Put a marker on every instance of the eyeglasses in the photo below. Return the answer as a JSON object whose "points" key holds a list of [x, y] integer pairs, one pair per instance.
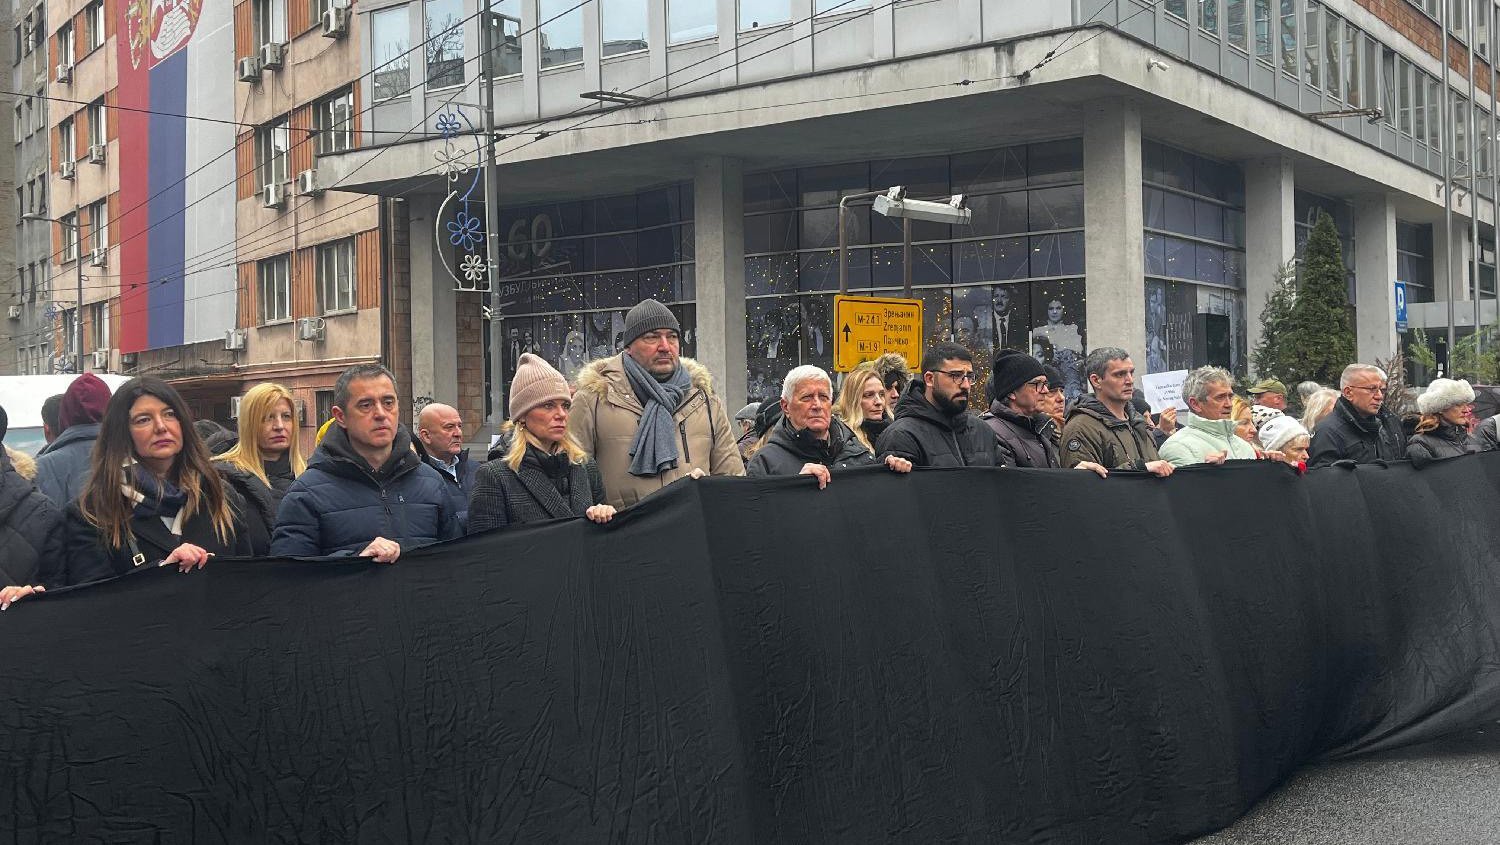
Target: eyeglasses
{"points": [[960, 376], [1040, 384], [1373, 390]]}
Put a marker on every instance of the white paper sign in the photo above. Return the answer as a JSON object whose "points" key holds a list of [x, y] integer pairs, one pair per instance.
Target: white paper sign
{"points": [[1164, 390]]}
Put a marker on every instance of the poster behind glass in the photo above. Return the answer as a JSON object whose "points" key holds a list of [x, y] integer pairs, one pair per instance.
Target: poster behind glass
{"points": [[1058, 330], [772, 335]]}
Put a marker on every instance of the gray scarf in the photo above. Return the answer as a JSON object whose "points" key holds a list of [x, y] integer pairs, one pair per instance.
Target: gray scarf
{"points": [[654, 449]]}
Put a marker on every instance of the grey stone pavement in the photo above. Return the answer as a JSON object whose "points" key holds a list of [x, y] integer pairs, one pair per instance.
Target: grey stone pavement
{"points": [[1445, 791]]}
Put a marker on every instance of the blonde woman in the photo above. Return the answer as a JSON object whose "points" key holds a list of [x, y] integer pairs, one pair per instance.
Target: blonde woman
{"points": [[1244, 422], [544, 474], [1318, 406], [862, 404], [267, 458]]}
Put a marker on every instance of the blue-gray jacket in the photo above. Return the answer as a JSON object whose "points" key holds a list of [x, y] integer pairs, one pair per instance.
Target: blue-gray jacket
{"points": [[339, 504], [460, 487], [62, 469]]}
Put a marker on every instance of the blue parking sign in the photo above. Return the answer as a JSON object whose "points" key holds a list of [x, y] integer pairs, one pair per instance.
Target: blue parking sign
{"points": [[1401, 306]]}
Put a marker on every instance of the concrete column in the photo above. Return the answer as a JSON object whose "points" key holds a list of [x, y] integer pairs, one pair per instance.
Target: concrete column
{"points": [[1270, 234], [1115, 259], [434, 342], [884, 25], [531, 58], [719, 242], [802, 43], [1375, 274], [727, 13]]}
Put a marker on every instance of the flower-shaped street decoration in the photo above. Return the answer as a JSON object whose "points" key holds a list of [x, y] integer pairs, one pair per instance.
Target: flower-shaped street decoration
{"points": [[451, 161], [473, 269], [463, 231], [448, 125]]}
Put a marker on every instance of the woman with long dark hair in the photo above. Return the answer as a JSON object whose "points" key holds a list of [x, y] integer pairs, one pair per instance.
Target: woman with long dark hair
{"points": [[152, 496]]}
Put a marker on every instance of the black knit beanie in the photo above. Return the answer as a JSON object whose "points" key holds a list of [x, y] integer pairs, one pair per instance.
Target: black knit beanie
{"points": [[1011, 370]]}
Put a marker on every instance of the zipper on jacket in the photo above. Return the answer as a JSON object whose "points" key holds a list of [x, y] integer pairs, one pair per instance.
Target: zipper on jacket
{"points": [[687, 456]]}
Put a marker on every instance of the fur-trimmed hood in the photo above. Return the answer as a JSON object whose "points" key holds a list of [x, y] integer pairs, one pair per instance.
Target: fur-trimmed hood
{"points": [[600, 375]]}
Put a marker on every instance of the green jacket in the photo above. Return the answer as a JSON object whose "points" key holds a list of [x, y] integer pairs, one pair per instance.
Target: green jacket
{"points": [[1094, 433], [1196, 438]]}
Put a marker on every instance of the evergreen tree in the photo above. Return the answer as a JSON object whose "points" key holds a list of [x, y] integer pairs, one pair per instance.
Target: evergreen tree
{"points": [[1314, 339], [1275, 318]]}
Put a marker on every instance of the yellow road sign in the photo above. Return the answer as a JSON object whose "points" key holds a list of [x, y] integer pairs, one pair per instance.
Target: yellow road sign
{"points": [[866, 327]]}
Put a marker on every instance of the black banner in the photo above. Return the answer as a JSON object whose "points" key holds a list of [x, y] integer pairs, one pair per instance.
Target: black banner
{"points": [[975, 655]]}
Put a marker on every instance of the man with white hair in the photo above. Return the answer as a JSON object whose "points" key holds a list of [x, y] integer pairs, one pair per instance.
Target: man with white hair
{"points": [[1206, 435], [809, 439], [1360, 428]]}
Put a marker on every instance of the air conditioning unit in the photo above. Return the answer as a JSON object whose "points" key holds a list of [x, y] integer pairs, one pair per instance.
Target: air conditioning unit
{"points": [[234, 405], [249, 69], [127, 359], [15, 312], [335, 23], [96, 153], [310, 328], [273, 196], [272, 55], [307, 183], [66, 169], [99, 256], [65, 72], [101, 359], [234, 340]]}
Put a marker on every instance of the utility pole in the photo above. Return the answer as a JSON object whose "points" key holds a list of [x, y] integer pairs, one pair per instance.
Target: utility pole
{"points": [[1473, 154], [1445, 119], [487, 65]]}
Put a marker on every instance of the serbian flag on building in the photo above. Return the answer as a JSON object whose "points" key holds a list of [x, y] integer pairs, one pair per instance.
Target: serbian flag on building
{"points": [[176, 207]]}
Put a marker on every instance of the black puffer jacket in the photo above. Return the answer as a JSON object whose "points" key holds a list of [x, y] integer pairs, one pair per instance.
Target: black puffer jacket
{"points": [[929, 438], [788, 450], [546, 487], [28, 521], [1022, 441], [1446, 441], [1347, 435], [339, 504], [1487, 435], [84, 557], [260, 504]]}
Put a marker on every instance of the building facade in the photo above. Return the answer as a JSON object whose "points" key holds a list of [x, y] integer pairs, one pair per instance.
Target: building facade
{"points": [[1139, 173], [26, 340]]}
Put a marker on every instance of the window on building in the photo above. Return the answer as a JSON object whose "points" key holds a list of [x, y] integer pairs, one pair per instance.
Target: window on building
{"points": [[323, 405], [505, 40], [823, 7], [623, 26], [98, 315], [1461, 114], [65, 54], [1419, 109], [1194, 215], [97, 125], [18, 46], [316, 10], [93, 25], [1312, 54], [39, 110], [336, 277], [755, 14], [1234, 11], [1351, 57], [69, 225], [1289, 37], [67, 149], [689, 20], [1333, 62], [97, 221], [445, 42], [1484, 14], [41, 196], [274, 277], [1403, 95], [333, 119], [22, 122], [1208, 16], [390, 39], [1458, 18], [561, 32], [270, 21], [271, 144], [1434, 129], [1263, 30]]}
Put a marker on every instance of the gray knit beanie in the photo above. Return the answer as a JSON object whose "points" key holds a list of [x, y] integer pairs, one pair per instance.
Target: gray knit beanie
{"points": [[649, 316]]}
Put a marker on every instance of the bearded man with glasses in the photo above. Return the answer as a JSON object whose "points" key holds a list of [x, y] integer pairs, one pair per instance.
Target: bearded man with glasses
{"points": [[1360, 429], [933, 427]]}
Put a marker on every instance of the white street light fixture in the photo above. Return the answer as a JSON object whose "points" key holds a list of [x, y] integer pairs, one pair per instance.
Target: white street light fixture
{"points": [[894, 203]]}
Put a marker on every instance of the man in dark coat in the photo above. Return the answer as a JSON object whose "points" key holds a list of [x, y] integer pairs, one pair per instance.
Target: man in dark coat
{"points": [[1023, 431], [27, 520], [809, 440], [1104, 428], [365, 492], [440, 435], [1360, 428], [933, 427], [62, 469]]}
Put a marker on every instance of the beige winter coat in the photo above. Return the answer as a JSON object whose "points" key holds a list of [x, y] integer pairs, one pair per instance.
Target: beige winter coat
{"points": [[606, 414]]}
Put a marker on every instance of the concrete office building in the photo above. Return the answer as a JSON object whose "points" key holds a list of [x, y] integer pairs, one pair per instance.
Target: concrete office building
{"points": [[1139, 187], [26, 337]]}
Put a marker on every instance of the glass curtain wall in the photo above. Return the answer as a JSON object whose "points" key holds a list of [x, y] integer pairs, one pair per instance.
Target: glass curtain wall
{"points": [[1011, 278], [1194, 239], [570, 271]]}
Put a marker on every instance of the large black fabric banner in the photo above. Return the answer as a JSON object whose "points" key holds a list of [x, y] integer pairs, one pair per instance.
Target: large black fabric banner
{"points": [[964, 655]]}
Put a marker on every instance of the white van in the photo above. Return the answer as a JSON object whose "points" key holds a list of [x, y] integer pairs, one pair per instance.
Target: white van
{"points": [[22, 398]]}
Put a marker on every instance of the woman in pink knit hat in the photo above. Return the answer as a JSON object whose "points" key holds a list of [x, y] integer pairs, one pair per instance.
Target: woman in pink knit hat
{"points": [[544, 474]]}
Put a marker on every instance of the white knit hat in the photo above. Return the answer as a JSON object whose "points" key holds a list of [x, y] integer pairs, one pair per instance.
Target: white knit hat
{"points": [[1279, 431], [1443, 394]]}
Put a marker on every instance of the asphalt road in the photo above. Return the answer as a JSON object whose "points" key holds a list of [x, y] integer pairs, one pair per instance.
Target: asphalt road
{"points": [[1446, 791]]}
